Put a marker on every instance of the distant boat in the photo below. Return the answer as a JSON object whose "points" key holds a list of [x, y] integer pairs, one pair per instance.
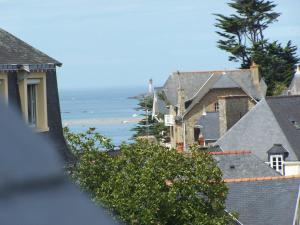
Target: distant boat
{"points": [[135, 115], [125, 121]]}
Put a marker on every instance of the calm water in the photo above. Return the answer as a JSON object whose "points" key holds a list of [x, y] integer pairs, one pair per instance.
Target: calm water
{"points": [[109, 108]]}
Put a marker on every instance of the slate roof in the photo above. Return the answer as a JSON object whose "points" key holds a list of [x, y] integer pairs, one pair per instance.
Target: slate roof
{"points": [[243, 165], [277, 149], [33, 187], [191, 82], [15, 51], [209, 125], [265, 202], [268, 123]]}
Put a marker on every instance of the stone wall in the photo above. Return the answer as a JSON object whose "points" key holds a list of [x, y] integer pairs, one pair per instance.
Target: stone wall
{"points": [[207, 103], [232, 109]]}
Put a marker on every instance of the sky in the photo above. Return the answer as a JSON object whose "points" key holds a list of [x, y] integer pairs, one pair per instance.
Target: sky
{"points": [[123, 43]]}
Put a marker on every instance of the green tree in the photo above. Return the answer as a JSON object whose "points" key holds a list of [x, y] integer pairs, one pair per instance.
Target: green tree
{"points": [[149, 126], [149, 184], [242, 35]]}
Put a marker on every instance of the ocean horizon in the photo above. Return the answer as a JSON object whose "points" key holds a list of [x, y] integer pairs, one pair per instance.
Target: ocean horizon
{"points": [[110, 110]]}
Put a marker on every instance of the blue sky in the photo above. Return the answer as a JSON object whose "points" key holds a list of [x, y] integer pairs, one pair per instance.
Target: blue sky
{"points": [[114, 43]]}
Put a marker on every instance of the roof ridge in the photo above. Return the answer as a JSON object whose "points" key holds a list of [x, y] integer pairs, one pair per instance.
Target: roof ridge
{"points": [[231, 152], [282, 96], [252, 179], [210, 71]]}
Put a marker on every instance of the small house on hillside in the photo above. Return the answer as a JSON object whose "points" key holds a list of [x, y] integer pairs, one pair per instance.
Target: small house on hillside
{"points": [[271, 131], [28, 82], [190, 95]]}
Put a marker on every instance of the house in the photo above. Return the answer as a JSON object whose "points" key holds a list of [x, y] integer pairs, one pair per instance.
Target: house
{"points": [[294, 88], [190, 95], [264, 200], [271, 131], [33, 186], [28, 82]]}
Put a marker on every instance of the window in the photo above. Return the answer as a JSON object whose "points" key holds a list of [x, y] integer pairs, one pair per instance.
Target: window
{"points": [[277, 163], [31, 100], [217, 107], [33, 96], [3, 87]]}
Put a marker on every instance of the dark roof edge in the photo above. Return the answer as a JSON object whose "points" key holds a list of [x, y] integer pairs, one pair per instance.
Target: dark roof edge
{"points": [[54, 61]]}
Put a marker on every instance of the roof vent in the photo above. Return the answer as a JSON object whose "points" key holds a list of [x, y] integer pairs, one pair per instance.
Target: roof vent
{"points": [[295, 123]]}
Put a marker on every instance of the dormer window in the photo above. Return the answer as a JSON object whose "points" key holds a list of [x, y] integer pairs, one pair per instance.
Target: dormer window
{"points": [[277, 155], [277, 163]]}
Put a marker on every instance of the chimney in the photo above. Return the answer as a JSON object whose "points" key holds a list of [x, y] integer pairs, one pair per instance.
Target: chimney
{"points": [[231, 110], [181, 100], [255, 76]]}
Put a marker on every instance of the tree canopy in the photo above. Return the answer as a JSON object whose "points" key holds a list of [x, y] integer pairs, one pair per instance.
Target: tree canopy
{"points": [[242, 36], [144, 183]]}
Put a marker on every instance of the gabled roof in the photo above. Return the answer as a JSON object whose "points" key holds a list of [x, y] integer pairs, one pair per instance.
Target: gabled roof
{"points": [[192, 82], [277, 149], [14, 51], [268, 123], [264, 201], [243, 165], [209, 125], [286, 110], [33, 187]]}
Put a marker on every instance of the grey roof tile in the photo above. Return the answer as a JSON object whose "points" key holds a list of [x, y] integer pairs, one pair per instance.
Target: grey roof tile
{"points": [[269, 202], [286, 110], [243, 166], [257, 131], [15, 51], [191, 82]]}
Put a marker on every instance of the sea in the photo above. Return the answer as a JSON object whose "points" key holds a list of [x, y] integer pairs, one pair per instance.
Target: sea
{"points": [[112, 111]]}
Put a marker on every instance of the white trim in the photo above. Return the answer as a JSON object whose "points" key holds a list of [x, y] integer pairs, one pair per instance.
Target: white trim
{"points": [[277, 159], [297, 206], [33, 81], [195, 95]]}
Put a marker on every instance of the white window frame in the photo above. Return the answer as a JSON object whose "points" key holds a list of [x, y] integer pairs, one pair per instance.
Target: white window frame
{"points": [[276, 162], [39, 81]]}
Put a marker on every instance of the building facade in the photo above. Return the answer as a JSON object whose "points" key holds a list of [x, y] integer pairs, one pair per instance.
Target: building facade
{"points": [[28, 83], [189, 96]]}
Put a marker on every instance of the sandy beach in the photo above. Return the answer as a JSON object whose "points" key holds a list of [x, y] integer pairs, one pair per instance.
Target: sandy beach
{"points": [[100, 121]]}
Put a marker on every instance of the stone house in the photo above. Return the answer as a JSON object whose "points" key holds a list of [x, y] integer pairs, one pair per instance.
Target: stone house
{"points": [[192, 95], [28, 83], [271, 130]]}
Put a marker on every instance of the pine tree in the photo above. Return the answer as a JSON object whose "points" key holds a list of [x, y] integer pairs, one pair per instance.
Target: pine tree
{"points": [[242, 35], [149, 126]]}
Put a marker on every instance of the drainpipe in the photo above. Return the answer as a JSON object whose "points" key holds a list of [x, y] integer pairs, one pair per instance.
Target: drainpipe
{"points": [[184, 142]]}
